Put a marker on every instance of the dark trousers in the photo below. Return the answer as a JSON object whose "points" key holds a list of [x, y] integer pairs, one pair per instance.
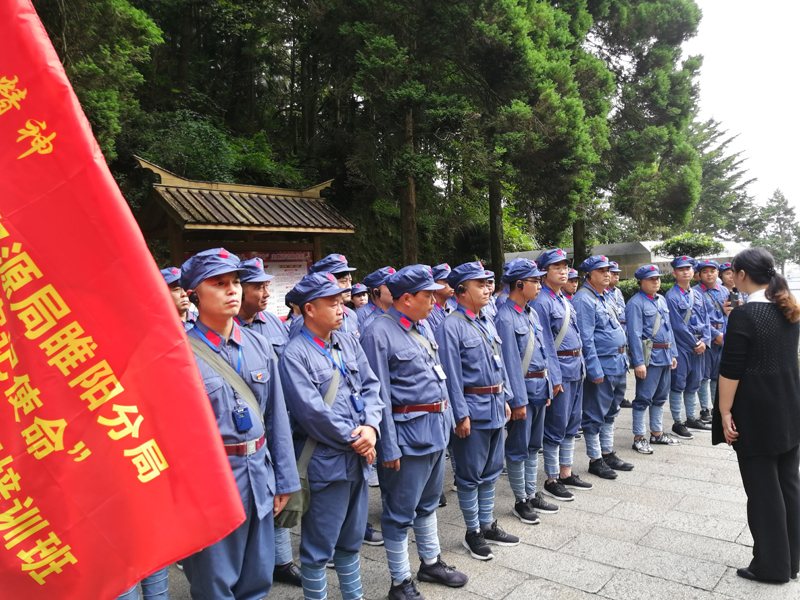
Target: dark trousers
{"points": [[772, 484]]}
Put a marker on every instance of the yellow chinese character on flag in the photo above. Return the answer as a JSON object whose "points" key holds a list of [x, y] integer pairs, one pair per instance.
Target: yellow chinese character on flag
{"points": [[69, 348], [9, 480], [47, 556], [40, 311], [40, 143], [148, 460], [23, 525], [18, 271], [44, 437], [101, 385], [7, 354], [22, 396], [129, 428], [9, 95]]}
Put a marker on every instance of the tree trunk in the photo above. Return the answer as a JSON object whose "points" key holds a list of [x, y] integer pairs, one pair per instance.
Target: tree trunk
{"points": [[408, 202], [496, 224], [579, 250]]}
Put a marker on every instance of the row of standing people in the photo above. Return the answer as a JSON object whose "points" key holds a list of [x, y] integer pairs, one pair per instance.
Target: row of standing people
{"points": [[411, 380]]}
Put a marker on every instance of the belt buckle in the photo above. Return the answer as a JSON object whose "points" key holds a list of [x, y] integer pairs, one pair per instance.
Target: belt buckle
{"points": [[250, 447], [546, 373], [442, 406], [500, 387]]}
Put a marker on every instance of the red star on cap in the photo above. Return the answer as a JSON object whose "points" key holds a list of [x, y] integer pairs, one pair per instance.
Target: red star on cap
{"points": [[391, 271], [559, 253], [175, 271], [331, 278], [223, 253], [342, 258], [685, 258], [258, 262], [446, 266], [652, 268], [480, 264], [603, 258]]}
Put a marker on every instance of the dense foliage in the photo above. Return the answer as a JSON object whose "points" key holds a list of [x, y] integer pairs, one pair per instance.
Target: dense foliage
{"points": [[453, 130]]}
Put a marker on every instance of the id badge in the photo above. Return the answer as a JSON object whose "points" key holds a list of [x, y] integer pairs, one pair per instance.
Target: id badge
{"points": [[358, 403], [498, 362], [241, 418], [693, 320], [440, 372]]}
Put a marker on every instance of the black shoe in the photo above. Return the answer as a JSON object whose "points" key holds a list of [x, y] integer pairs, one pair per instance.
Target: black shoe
{"points": [[288, 573], [697, 425], [372, 537], [477, 546], [442, 501], [600, 468], [541, 505], [705, 416], [615, 462], [626, 404], [746, 573], [578, 436], [441, 572], [495, 535], [554, 489], [679, 429], [525, 513], [407, 590], [573, 482]]}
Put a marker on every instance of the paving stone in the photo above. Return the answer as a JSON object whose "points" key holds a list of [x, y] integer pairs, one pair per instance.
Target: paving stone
{"points": [[487, 579], [650, 561], [542, 588], [601, 525], [626, 585], [746, 538], [734, 586], [646, 497], [712, 508], [572, 571], [717, 551], [703, 489]]}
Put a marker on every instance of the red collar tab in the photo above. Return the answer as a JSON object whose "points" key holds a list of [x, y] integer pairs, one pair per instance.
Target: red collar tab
{"points": [[237, 334], [405, 322], [470, 314], [517, 307], [213, 338], [319, 342]]}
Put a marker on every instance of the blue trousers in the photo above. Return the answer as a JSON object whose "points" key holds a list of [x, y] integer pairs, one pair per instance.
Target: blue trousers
{"points": [[154, 587], [711, 358], [336, 520], [601, 402], [686, 377], [651, 391], [239, 566], [525, 437], [479, 457], [411, 492], [563, 416]]}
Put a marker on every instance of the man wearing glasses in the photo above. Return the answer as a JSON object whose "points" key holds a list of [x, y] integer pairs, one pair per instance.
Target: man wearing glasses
{"points": [[528, 364]]}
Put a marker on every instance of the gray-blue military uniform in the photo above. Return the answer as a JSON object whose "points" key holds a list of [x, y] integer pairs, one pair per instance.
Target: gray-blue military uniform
{"points": [[172, 275], [439, 312], [334, 525], [349, 324], [563, 416], [688, 330], [714, 300], [477, 385], [604, 351], [643, 313], [240, 566], [522, 336], [269, 326], [416, 425]]}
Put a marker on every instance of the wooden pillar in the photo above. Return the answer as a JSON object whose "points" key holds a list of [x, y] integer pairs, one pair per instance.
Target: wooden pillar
{"points": [[176, 245], [317, 248]]}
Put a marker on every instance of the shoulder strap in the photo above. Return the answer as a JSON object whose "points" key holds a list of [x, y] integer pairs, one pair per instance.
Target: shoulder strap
{"points": [[227, 372], [657, 323], [562, 333], [423, 341], [526, 358], [715, 301], [688, 314], [311, 443]]}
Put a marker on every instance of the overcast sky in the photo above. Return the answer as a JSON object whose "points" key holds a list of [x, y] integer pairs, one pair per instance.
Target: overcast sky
{"points": [[750, 81]]}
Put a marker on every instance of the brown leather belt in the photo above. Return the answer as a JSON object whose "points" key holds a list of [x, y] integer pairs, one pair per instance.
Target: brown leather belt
{"points": [[246, 448], [569, 352], [715, 326], [536, 374], [486, 389], [436, 407], [660, 345], [621, 350]]}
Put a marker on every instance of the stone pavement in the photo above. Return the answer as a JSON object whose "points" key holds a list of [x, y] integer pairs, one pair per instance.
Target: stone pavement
{"points": [[674, 528]]}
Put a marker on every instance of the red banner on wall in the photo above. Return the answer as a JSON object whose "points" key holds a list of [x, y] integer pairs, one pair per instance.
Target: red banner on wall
{"points": [[111, 463]]}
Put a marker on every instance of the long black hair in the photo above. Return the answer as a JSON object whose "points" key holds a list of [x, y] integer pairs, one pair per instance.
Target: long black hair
{"points": [[760, 267]]}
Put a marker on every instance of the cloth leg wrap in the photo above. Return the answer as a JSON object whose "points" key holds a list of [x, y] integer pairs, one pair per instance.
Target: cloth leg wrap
{"points": [[607, 437], [531, 473], [426, 533], [348, 568], [704, 393], [283, 546], [566, 451], [397, 557], [656, 417], [486, 503], [638, 420], [592, 445], [468, 502], [690, 400], [551, 459], [516, 479], [675, 404], [315, 583]]}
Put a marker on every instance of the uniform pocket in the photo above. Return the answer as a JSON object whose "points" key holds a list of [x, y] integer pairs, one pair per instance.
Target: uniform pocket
{"points": [[480, 408], [259, 375], [413, 433], [327, 465]]}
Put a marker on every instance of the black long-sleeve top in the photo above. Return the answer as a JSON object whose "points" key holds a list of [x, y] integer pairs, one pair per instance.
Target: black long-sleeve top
{"points": [[761, 353]]}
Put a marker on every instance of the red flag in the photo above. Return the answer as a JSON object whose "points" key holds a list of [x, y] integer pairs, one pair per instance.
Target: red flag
{"points": [[111, 463]]}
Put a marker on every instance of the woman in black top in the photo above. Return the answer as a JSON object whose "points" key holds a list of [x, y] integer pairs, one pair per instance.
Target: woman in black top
{"points": [[758, 412]]}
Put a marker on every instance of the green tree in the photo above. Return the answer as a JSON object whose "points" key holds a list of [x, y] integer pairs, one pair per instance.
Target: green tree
{"points": [[695, 245], [725, 207], [781, 234], [103, 45]]}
